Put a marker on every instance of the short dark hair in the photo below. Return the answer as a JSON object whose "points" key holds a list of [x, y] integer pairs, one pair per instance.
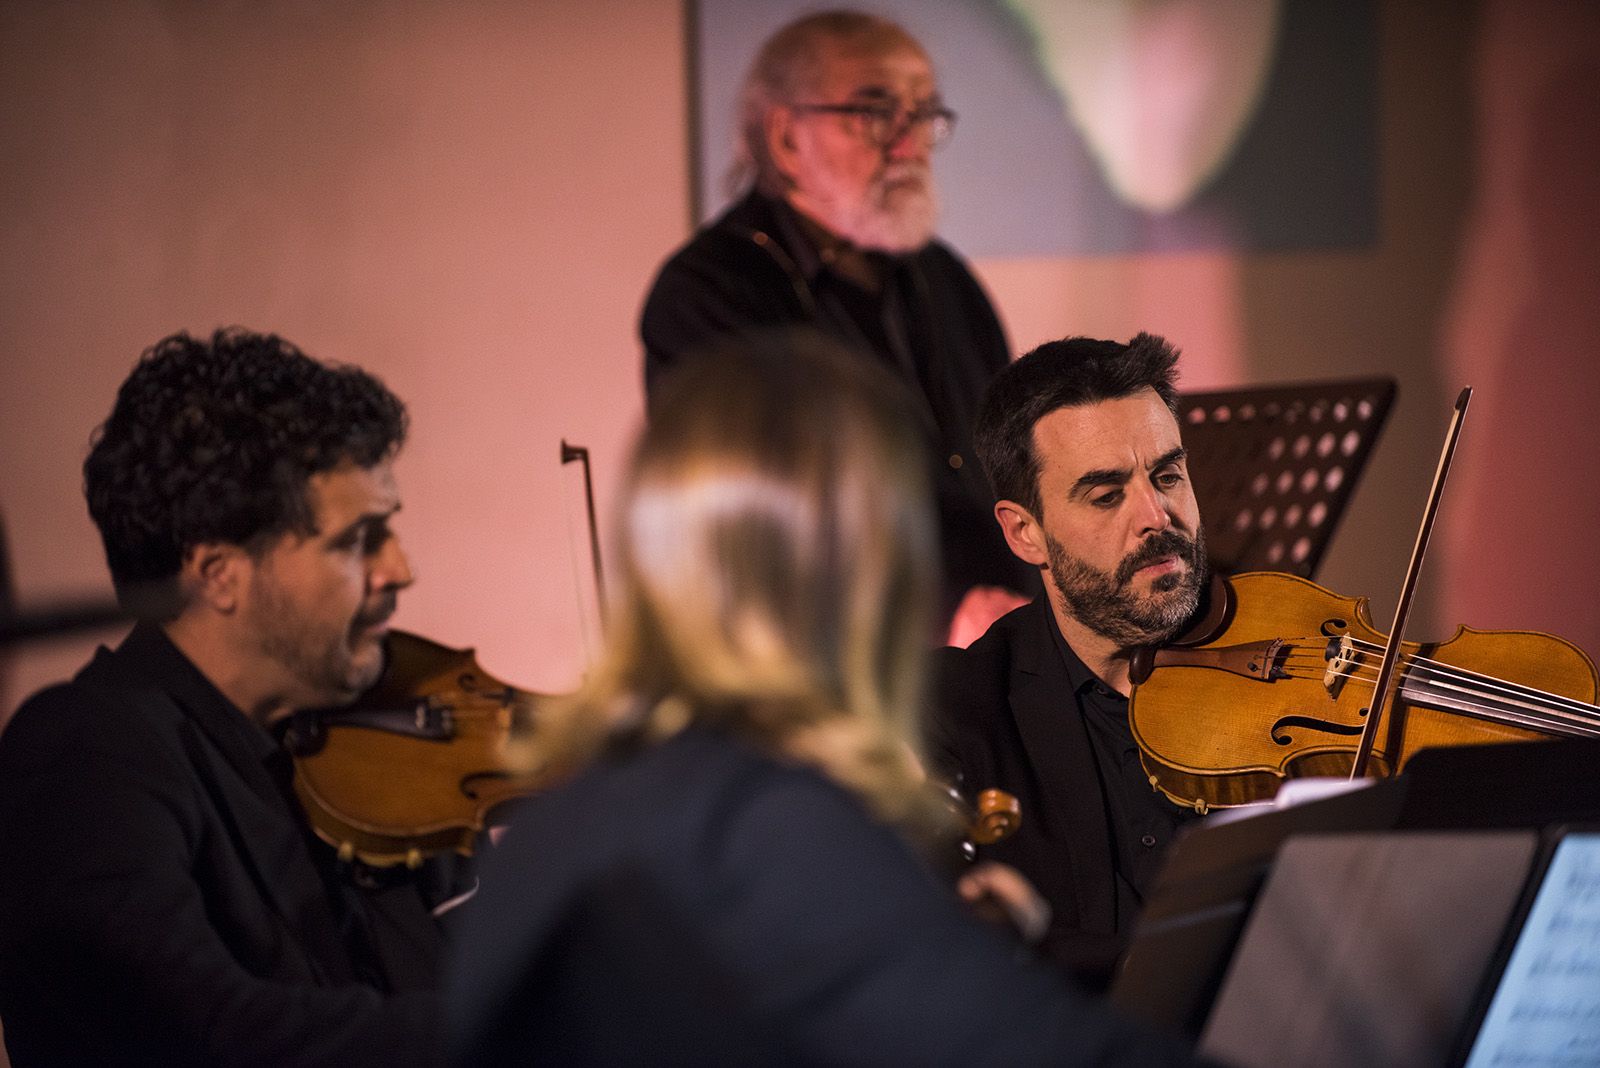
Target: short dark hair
{"points": [[1061, 374], [215, 442]]}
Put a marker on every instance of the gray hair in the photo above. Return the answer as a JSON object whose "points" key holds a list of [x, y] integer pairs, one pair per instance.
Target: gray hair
{"points": [[786, 70]]}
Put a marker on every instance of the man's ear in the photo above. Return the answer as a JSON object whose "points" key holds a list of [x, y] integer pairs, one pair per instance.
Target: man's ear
{"points": [[778, 129], [1023, 532], [215, 574]]}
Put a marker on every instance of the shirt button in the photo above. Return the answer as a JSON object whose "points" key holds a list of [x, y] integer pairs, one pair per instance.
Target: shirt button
{"points": [[1148, 840], [956, 461]]}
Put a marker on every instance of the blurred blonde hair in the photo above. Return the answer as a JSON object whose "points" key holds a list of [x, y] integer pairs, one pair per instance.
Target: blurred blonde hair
{"points": [[775, 555]]}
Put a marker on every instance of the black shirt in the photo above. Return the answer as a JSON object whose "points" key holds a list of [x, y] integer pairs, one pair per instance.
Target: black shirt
{"points": [[930, 325], [1142, 821]]}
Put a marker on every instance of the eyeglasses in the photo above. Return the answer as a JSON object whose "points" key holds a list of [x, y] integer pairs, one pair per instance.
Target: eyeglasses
{"points": [[885, 123]]}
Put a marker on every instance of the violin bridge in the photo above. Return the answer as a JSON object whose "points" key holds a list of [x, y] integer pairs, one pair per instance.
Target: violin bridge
{"points": [[1341, 657]]}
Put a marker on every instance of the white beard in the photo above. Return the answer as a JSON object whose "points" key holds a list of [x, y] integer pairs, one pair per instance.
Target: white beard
{"points": [[898, 213]]}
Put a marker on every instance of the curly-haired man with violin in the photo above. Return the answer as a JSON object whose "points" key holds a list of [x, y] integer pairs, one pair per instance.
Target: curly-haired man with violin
{"points": [[1079, 440], [162, 899]]}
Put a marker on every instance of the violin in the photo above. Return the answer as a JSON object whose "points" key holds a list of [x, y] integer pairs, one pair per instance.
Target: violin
{"points": [[419, 764], [1282, 677], [1282, 682]]}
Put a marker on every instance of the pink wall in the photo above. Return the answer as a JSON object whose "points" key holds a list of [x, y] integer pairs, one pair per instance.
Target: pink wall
{"points": [[1524, 324], [470, 200], [467, 199], [1486, 274]]}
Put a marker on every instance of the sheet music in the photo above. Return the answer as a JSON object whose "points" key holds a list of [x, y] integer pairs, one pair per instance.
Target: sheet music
{"points": [[1546, 1008]]}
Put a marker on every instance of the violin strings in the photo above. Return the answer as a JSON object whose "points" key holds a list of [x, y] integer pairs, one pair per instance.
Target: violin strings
{"points": [[1446, 674], [1545, 721], [1518, 705], [1442, 671], [1456, 696]]}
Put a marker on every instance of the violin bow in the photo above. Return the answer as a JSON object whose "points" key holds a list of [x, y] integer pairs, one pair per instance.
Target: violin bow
{"points": [[579, 453], [1382, 689]]}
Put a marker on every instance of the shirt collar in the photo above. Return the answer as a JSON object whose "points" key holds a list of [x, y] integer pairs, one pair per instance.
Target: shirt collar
{"points": [[1078, 673]]}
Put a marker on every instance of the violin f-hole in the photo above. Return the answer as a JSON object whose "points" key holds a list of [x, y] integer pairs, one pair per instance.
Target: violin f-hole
{"points": [[1312, 723]]}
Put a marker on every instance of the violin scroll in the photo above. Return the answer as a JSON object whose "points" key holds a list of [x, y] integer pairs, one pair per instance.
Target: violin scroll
{"points": [[996, 816]]}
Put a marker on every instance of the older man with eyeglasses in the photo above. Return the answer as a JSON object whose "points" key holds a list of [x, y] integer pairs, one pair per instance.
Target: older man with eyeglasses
{"points": [[839, 117]]}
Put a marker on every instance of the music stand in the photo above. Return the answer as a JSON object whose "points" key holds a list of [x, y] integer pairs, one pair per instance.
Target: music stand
{"points": [[1203, 896], [1206, 890], [1274, 466]]}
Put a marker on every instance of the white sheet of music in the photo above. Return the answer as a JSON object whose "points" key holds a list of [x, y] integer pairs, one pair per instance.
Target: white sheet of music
{"points": [[1546, 1008]]}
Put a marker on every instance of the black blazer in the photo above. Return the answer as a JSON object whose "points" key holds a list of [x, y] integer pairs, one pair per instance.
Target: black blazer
{"points": [[699, 903], [1005, 717], [159, 902]]}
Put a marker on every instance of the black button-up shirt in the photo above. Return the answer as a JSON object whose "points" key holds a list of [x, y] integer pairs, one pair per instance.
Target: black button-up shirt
{"points": [[1142, 821]]}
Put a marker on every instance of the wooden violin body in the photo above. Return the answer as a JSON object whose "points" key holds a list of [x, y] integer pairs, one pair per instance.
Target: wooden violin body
{"points": [[417, 765], [1286, 688]]}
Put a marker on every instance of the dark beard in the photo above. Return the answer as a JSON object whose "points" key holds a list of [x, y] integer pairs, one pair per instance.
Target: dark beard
{"points": [[1106, 605], [318, 660]]}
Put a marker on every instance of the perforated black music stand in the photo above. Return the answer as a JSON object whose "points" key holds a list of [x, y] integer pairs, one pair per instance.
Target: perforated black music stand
{"points": [[1274, 466]]}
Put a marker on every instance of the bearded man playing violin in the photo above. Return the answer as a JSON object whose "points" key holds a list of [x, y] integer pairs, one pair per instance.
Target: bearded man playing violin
{"points": [[1080, 443], [162, 898]]}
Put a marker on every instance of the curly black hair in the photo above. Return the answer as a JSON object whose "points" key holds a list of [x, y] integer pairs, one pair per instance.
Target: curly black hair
{"points": [[215, 442], [1061, 374]]}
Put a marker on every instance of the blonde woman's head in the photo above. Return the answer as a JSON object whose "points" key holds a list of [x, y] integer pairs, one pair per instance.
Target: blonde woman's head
{"points": [[775, 555]]}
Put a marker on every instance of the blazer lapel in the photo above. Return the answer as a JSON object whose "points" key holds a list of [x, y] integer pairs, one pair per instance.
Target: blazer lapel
{"points": [[269, 840], [1057, 745], [266, 836]]}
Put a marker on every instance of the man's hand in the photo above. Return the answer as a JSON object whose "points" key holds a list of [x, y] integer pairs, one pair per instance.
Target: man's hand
{"points": [[1000, 892]]}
